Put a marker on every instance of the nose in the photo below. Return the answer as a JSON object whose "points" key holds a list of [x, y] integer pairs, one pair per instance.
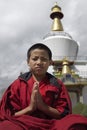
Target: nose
{"points": [[39, 61]]}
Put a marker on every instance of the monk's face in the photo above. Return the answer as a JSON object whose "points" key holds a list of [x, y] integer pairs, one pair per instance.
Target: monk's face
{"points": [[39, 61]]}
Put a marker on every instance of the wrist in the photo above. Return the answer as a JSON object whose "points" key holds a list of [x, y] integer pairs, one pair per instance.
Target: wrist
{"points": [[30, 109], [43, 107]]}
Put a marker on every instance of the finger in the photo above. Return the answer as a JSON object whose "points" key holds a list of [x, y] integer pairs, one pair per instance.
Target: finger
{"points": [[34, 95], [35, 86]]}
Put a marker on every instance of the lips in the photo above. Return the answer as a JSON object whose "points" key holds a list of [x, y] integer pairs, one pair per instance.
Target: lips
{"points": [[38, 68]]}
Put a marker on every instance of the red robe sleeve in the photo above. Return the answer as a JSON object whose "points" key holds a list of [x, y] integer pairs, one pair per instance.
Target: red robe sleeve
{"points": [[10, 101], [56, 96], [61, 98], [63, 103]]}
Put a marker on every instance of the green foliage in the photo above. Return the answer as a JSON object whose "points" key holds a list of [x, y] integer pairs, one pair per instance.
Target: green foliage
{"points": [[80, 108]]}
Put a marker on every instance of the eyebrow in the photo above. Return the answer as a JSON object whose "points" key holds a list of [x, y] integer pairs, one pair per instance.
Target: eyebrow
{"points": [[40, 57]]}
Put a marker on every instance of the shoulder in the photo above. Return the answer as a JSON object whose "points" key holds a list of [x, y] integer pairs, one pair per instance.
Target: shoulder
{"points": [[54, 81], [14, 85], [22, 79], [25, 76]]}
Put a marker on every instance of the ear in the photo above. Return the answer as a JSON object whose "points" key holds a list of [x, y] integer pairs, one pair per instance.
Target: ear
{"points": [[51, 62]]}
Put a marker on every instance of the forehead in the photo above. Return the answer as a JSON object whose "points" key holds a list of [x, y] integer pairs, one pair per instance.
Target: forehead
{"points": [[39, 52]]}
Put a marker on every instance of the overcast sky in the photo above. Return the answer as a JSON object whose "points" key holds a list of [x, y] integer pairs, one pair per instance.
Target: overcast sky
{"points": [[25, 22]]}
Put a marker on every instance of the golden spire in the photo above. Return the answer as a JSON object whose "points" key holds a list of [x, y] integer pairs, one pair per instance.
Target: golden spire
{"points": [[66, 68], [56, 15]]}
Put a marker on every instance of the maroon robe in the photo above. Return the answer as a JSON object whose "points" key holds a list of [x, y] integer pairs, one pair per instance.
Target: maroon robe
{"points": [[54, 94]]}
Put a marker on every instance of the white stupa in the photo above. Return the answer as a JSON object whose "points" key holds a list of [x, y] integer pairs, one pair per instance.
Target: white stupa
{"points": [[61, 43]]}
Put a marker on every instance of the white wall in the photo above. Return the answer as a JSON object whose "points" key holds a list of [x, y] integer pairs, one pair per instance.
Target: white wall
{"points": [[85, 95]]}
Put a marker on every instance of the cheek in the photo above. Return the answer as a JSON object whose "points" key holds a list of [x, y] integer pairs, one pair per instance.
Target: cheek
{"points": [[32, 64]]}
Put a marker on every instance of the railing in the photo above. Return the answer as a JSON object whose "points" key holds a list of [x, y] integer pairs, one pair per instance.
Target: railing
{"points": [[78, 58]]}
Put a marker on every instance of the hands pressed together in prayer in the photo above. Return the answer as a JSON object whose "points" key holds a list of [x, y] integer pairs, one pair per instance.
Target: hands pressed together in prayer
{"points": [[36, 99], [35, 103]]}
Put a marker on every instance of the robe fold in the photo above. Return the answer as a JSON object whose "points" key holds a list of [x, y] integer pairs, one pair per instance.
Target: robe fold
{"points": [[54, 94]]}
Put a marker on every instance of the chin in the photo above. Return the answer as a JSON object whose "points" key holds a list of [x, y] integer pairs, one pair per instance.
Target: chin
{"points": [[39, 73]]}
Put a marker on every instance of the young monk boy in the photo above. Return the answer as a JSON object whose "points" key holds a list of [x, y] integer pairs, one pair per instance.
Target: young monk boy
{"points": [[37, 100]]}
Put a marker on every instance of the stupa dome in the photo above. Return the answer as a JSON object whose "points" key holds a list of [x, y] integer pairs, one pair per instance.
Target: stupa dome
{"points": [[61, 43]]}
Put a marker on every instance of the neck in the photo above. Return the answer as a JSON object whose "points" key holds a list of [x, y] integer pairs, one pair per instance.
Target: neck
{"points": [[38, 78]]}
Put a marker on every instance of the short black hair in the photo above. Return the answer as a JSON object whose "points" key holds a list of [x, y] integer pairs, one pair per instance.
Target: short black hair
{"points": [[39, 46]]}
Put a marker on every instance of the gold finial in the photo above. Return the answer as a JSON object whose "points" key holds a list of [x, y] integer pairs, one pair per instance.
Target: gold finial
{"points": [[56, 15], [66, 68]]}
